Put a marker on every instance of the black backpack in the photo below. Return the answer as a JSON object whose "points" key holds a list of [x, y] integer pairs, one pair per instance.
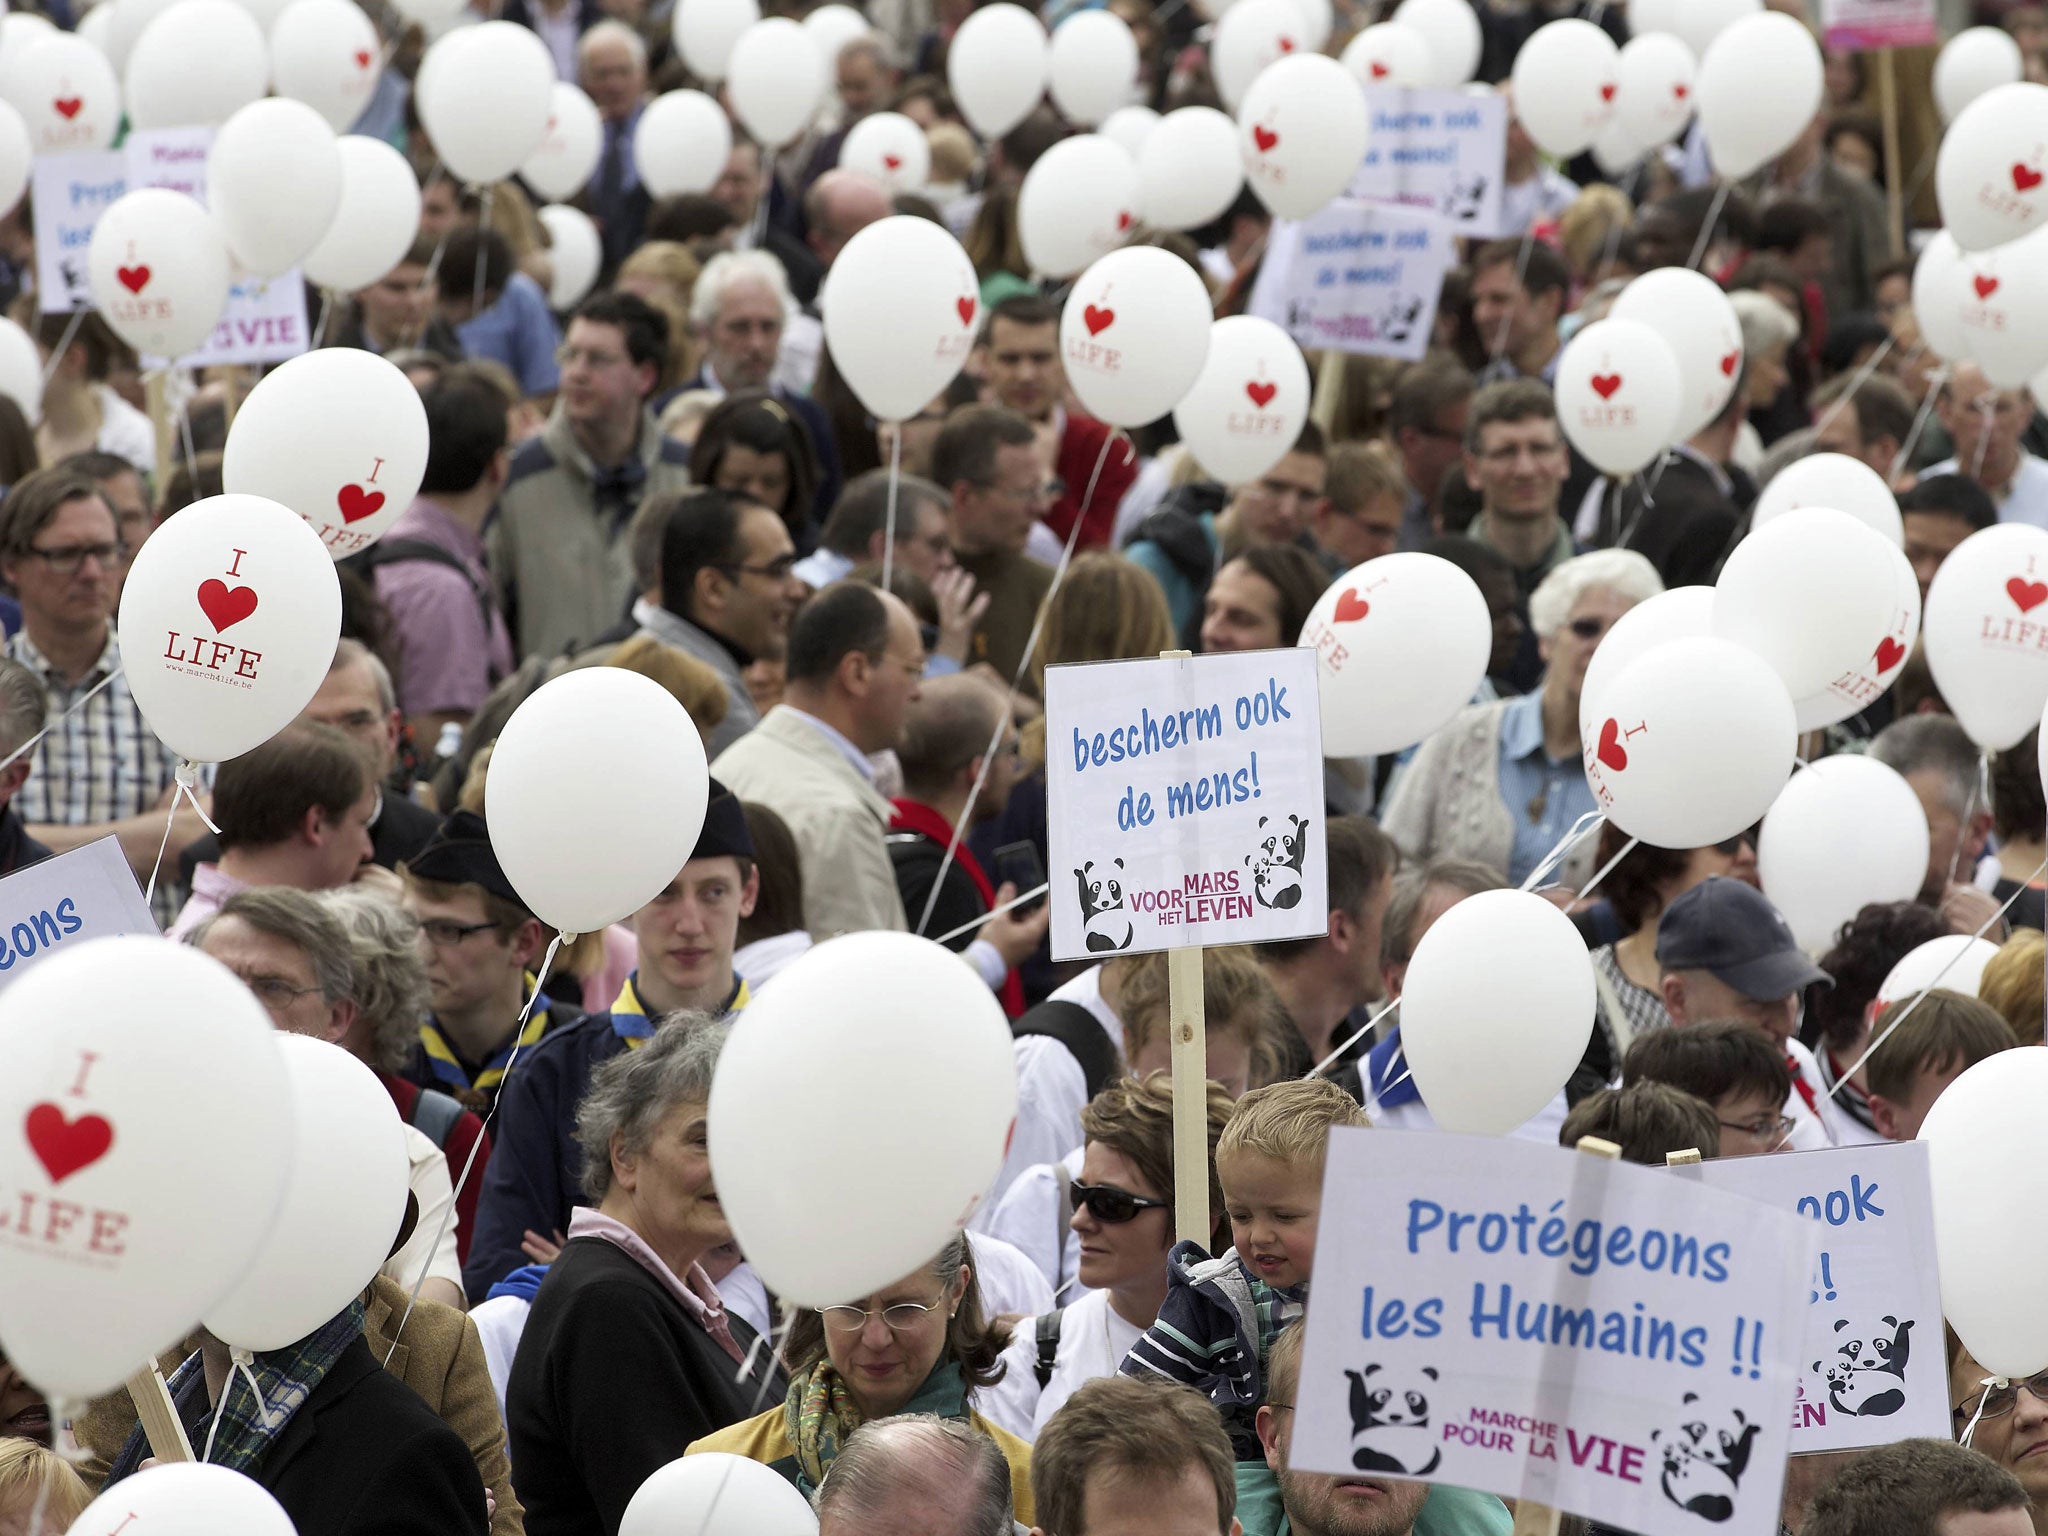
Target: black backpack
{"points": [[1080, 1032]]}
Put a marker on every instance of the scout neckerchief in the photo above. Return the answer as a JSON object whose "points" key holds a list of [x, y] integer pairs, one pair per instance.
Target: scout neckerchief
{"points": [[632, 1025], [453, 1074]]}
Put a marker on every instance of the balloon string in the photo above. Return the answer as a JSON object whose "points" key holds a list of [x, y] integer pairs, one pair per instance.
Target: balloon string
{"points": [[63, 345], [434, 261], [1628, 190], [1989, 1384], [76, 706], [1606, 869], [476, 292], [889, 521], [781, 1340], [469, 1163], [1500, 335], [184, 781], [1699, 249], [968, 927], [1979, 788], [1357, 1035], [1848, 395], [326, 309], [988, 756], [1556, 856], [1984, 409], [1935, 384], [185, 436]]}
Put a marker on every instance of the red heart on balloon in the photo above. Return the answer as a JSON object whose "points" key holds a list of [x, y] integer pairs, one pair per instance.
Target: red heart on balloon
{"points": [[2025, 178], [1379, 70], [1097, 320], [67, 106], [1607, 92], [134, 279], [1261, 393], [1287, 45], [1605, 384], [1985, 286], [64, 1146], [1889, 654], [1123, 220], [965, 305], [225, 606], [1610, 751], [357, 503], [363, 57], [1350, 606], [1265, 138], [1680, 91], [1730, 363], [2026, 595], [893, 162]]}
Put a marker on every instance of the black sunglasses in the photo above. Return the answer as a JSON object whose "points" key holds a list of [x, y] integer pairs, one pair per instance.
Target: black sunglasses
{"points": [[1109, 1204]]}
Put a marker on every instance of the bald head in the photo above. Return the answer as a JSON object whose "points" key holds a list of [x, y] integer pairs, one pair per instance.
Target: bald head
{"points": [[840, 204], [916, 1475]]}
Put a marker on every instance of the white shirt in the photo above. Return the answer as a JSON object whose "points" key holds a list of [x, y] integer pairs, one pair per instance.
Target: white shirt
{"points": [[2024, 498], [1543, 196], [1093, 1343], [1029, 1217], [1051, 1093], [125, 431], [435, 1192], [1010, 1283]]}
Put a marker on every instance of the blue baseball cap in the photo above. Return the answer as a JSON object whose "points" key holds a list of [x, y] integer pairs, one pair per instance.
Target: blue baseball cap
{"points": [[1730, 928]]}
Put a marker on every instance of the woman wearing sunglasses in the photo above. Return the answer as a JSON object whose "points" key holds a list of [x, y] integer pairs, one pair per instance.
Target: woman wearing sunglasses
{"points": [[2006, 1420], [1123, 1216], [1504, 781], [922, 1345]]}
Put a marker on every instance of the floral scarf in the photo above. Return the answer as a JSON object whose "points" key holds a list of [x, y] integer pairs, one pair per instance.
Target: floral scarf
{"points": [[820, 1413]]}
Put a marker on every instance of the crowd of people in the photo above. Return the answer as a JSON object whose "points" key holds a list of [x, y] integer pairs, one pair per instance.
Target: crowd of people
{"points": [[672, 478]]}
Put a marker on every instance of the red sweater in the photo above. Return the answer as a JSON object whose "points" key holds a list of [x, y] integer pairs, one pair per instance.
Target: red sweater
{"points": [[1080, 448]]}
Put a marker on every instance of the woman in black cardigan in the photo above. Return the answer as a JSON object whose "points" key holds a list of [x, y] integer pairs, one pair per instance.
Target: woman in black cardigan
{"points": [[628, 1354]]}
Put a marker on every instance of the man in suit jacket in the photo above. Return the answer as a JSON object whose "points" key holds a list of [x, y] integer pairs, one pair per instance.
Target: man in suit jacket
{"points": [[612, 67], [855, 659]]}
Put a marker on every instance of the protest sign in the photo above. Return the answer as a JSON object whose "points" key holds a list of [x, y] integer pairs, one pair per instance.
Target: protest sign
{"points": [[1611, 1340], [1441, 150], [1871, 1370], [88, 893], [1880, 23], [1185, 799], [1357, 277], [70, 193]]}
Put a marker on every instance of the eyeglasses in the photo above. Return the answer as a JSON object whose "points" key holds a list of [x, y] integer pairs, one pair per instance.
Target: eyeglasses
{"points": [[1105, 1202], [1728, 847], [275, 993], [1772, 1126], [899, 1316], [1588, 628], [777, 569], [65, 559], [443, 935], [1513, 452], [568, 357], [1997, 1400]]}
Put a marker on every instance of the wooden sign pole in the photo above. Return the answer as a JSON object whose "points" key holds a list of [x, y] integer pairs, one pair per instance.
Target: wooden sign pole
{"points": [[1186, 1019], [1894, 191], [159, 1415]]}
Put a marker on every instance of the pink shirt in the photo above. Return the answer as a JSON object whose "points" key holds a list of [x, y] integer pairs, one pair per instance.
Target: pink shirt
{"points": [[452, 656]]}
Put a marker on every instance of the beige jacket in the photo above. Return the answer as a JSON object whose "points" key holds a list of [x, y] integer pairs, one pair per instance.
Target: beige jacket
{"points": [[836, 816]]}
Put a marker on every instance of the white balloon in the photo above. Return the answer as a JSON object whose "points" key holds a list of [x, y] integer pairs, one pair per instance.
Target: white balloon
{"points": [[231, 611], [890, 149], [21, 370], [1811, 592], [1190, 169], [832, 27], [1691, 743], [1759, 87], [1988, 1157], [15, 154], [1986, 633], [706, 30], [483, 93], [140, 1074], [682, 143], [1566, 77], [1989, 173], [186, 1498], [715, 1493], [1496, 1009], [1451, 28], [1131, 127], [65, 91], [1391, 54], [1696, 23], [1856, 689], [96, 26], [1615, 149], [567, 157], [1302, 131], [1954, 962], [1657, 88], [775, 80], [1847, 831], [1619, 392], [1318, 18], [326, 53], [899, 307], [273, 183], [1833, 480], [1133, 335], [129, 18], [587, 843], [342, 1207], [1680, 613], [1401, 643], [195, 65], [815, 1063], [1092, 66], [2003, 314], [376, 221], [338, 436], [1251, 35], [1248, 403], [1939, 281], [158, 270], [1975, 60], [996, 66], [575, 254], [1076, 204], [1693, 315]]}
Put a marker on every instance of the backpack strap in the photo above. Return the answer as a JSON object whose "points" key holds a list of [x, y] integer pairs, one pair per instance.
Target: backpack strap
{"points": [[1080, 1032], [434, 1115], [400, 551], [1048, 1354]]}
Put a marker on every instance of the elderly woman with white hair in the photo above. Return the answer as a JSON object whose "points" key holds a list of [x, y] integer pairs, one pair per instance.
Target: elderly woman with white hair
{"points": [[1769, 330], [1504, 781]]}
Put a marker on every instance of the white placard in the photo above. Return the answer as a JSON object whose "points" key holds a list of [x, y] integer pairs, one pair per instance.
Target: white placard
{"points": [[1356, 277], [88, 893], [1880, 23], [1872, 1368], [1441, 150], [70, 193], [1607, 1339], [1185, 799]]}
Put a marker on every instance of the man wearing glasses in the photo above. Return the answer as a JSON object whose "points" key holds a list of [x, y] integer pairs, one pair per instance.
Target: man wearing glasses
{"points": [[100, 770], [1985, 424], [1515, 461], [1427, 416]]}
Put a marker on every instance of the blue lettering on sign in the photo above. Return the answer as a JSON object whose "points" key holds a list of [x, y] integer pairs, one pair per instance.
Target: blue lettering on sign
{"points": [[39, 931]]}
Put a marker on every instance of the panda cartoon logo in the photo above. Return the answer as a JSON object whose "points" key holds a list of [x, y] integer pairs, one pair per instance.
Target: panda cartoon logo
{"points": [[1276, 865], [1390, 1422], [1399, 319], [1703, 1463], [1867, 1376], [1463, 199], [1103, 918]]}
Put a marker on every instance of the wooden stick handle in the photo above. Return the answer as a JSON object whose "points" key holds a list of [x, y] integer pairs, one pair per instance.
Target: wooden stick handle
{"points": [[159, 1415]]}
